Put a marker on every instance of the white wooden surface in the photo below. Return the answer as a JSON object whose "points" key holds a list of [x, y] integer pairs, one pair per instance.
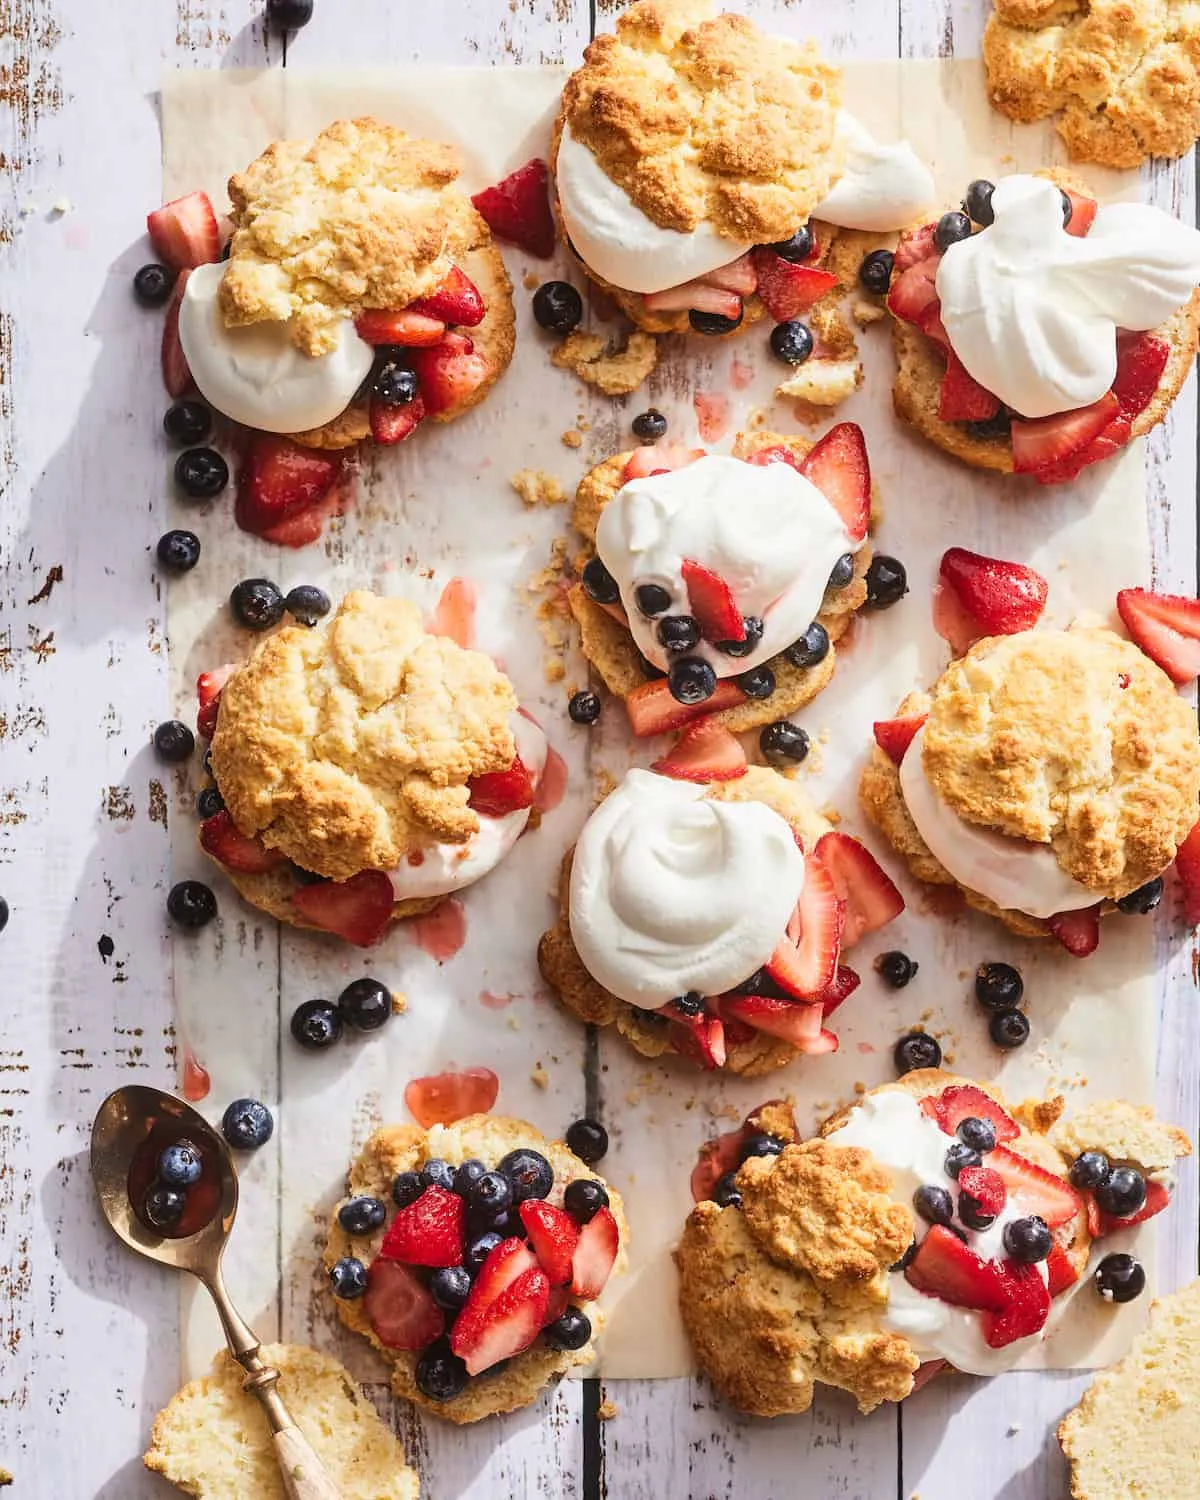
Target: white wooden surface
{"points": [[88, 1346]]}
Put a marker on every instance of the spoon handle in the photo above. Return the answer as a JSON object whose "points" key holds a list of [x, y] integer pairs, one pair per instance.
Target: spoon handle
{"points": [[304, 1477]]}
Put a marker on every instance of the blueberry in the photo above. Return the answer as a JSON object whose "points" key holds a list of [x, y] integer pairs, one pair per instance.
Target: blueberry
{"points": [[289, 15], [652, 599], [478, 1251], [792, 342], [875, 272], [588, 1139], [491, 1196], [971, 1215], [989, 428], [650, 425], [256, 603], [316, 1024], [164, 1206], [705, 322], [1009, 1029], [1122, 1192], [783, 743], [583, 707], [798, 247], [307, 604], [1143, 900], [362, 1215], [1068, 208], [979, 1134], [529, 1173], [201, 473], [178, 551], [247, 1124], [584, 1198], [977, 204], [407, 1187], [557, 306], [153, 284], [3, 913], [951, 228], [187, 422], [753, 626], [450, 1287], [599, 584], [998, 986], [907, 1258], [180, 1165], [438, 1173], [348, 1278], [758, 682], [1028, 1240], [365, 1004], [570, 1330], [678, 632], [690, 1004], [760, 1144], [306, 877], [174, 741], [1120, 1278], [440, 1374], [842, 572], [887, 581], [691, 680], [933, 1204], [811, 648], [916, 1049], [191, 904], [959, 1156], [725, 1194], [896, 969], [1089, 1169], [395, 384]]}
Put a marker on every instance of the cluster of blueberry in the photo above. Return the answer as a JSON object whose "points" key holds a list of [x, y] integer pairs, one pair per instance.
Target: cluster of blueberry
{"points": [[179, 1168], [999, 988], [1026, 1239], [364, 1005]]}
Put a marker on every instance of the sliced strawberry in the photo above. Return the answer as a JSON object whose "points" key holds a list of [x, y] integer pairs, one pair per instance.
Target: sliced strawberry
{"points": [[456, 301], [448, 375], [786, 288], [1048, 440], [986, 1187], [916, 245], [988, 596], [697, 296], [1141, 360], [739, 276], [964, 1101], [175, 373], [930, 323], [1166, 627], [944, 1267], [428, 1232], [595, 1255], [305, 526], [483, 1336], [962, 398], [914, 292], [358, 909], [805, 968], [659, 458], [795, 1021], [399, 1308], [715, 1158], [712, 604], [498, 793], [703, 752], [894, 736], [279, 478], [442, 1098], [209, 687], [506, 1264], [701, 1037], [1092, 1210], [1034, 1188], [184, 232], [392, 424], [1083, 213], [219, 837], [405, 328], [839, 989], [1027, 1306], [1060, 1271], [553, 1234], [1157, 1199], [1187, 867], [518, 209], [652, 709], [560, 1298], [839, 468], [867, 892], [1077, 931]]}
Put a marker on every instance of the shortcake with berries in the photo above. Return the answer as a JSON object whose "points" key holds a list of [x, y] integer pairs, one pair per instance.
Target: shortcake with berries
{"points": [[365, 769], [706, 909], [716, 585], [471, 1255], [1037, 332], [930, 1224]]}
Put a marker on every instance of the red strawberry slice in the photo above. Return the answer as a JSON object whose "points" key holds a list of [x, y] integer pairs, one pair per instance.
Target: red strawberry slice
{"points": [[1166, 627], [1060, 1272], [702, 1037], [399, 1308], [518, 209], [1034, 1188], [652, 709], [795, 1021], [175, 373], [209, 687], [306, 526], [913, 294], [506, 1264], [805, 967], [1083, 213], [219, 837], [409, 329], [739, 276], [392, 424], [788, 289], [986, 1187], [715, 1158], [1092, 1210], [916, 245], [184, 232], [456, 301], [448, 374], [498, 793], [963, 1101], [553, 1234], [712, 604], [442, 1098], [839, 468], [560, 1297], [483, 1336], [358, 909], [1048, 440], [894, 736], [1187, 867], [279, 478], [697, 296], [868, 894], [428, 1232], [993, 597], [1141, 360], [1027, 1306], [839, 989], [1077, 931], [944, 1267], [659, 458], [703, 752], [1157, 1199], [962, 398], [595, 1255]]}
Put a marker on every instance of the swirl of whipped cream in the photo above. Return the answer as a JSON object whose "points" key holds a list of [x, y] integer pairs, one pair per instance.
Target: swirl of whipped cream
{"points": [[1015, 874], [256, 375], [672, 891], [881, 187], [765, 529], [1033, 312]]}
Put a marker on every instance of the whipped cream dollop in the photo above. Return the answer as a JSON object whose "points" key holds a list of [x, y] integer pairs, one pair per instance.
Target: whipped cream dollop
{"points": [[439, 869], [881, 186], [1014, 873], [256, 375], [764, 528], [1033, 312], [912, 1150], [673, 892]]}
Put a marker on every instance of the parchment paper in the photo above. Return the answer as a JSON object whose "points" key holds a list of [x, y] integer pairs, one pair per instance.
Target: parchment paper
{"points": [[441, 505]]}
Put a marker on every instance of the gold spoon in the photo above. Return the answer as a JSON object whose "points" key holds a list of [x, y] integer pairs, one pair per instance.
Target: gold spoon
{"points": [[130, 1130]]}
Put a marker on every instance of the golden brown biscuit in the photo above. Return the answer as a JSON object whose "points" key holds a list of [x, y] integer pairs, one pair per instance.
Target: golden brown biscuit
{"points": [[487, 1138]]}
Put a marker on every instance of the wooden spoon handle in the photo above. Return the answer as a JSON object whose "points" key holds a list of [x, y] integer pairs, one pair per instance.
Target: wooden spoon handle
{"points": [[304, 1476]]}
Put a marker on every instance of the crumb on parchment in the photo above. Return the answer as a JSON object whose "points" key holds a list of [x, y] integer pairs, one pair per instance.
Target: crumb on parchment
{"points": [[536, 487], [614, 372]]}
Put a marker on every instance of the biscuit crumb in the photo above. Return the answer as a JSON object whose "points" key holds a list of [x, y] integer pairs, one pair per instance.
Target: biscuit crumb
{"points": [[536, 487], [572, 438], [399, 1003], [538, 1075], [607, 1410], [531, 281], [513, 1022], [614, 372], [822, 383], [866, 313]]}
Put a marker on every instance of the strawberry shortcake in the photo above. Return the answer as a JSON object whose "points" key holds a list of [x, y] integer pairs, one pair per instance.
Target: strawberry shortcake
{"points": [[471, 1256], [706, 910], [365, 769], [928, 1225], [1036, 331]]}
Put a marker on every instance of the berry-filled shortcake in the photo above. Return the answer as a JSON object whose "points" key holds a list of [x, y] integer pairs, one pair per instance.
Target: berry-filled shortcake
{"points": [[930, 1224], [706, 909], [717, 584], [471, 1256], [690, 154], [1038, 331], [364, 769]]}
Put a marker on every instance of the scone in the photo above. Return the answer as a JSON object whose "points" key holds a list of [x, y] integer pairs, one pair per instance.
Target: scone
{"points": [[212, 1439], [1050, 775], [715, 586], [691, 152], [471, 1256], [1036, 331], [367, 769], [927, 1224], [710, 918], [1121, 78]]}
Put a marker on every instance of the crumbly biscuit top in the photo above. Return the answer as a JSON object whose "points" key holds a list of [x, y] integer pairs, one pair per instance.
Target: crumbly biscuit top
{"points": [[349, 745], [701, 116], [362, 216], [1125, 1133], [1073, 739]]}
